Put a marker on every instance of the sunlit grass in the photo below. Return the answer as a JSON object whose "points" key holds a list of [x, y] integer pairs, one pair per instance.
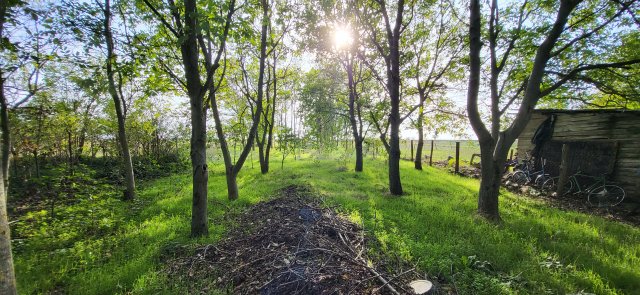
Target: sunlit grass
{"points": [[536, 250]]}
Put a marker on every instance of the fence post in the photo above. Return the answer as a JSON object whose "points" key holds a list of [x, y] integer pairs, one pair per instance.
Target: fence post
{"points": [[564, 169], [431, 154], [411, 149], [457, 157]]}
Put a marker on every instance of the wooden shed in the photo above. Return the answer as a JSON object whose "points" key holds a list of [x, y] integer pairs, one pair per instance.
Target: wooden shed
{"points": [[599, 141]]}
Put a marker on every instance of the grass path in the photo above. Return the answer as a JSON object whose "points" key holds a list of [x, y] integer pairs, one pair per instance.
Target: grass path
{"points": [[536, 250]]}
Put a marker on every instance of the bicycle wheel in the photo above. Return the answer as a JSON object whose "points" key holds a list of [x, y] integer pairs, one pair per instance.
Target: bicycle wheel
{"points": [[551, 186], [548, 186], [519, 178], [540, 179], [606, 196]]}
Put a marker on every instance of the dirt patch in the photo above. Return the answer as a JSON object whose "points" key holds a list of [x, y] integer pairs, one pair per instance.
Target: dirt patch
{"points": [[471, 171], [292, 245]]}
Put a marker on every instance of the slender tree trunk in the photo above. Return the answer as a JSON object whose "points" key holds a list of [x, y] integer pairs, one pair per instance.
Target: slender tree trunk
{"points": [[231, 169], [263, 127], [264, 166], [395, 186], [129, 193], [352, 114], [70, 151], [81, 139], [232, 190], [15, 165], [359, 155], [6, 136], [7, 274], [273, 113], [262, 137], [232, 184], [418, 160], [36, 162]]}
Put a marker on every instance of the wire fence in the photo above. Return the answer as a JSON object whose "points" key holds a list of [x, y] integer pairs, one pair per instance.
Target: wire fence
{"points": [[443, 150]]}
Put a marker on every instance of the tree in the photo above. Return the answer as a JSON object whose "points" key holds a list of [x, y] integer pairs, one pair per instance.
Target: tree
{"points": [[321, 92], [192, 31], [232, 169], [355, 78], [332, 32], [435, 60], [280, 24], [116, 94], [386, 38], [524, 73]]}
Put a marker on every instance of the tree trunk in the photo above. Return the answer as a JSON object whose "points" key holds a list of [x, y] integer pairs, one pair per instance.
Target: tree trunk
{"points": [[492, 169], [70, 152], [359, 162], [263, 127], [231, 169], [395, 186], [199, 224], [81, 139], [418, 160], [264, 162], [273, 113], [129, 193], [352, 114], [6, 136], [7, 274], [37, 163], [393, 84], [232, 184]]}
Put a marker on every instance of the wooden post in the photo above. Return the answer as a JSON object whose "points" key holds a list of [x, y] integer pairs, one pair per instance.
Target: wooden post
{"points": [[564, 169], [412, 150], [457, 157], [511, 155], [431, 154]]}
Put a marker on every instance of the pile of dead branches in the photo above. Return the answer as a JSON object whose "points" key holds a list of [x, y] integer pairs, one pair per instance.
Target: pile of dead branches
{"points": [[292, 245]]}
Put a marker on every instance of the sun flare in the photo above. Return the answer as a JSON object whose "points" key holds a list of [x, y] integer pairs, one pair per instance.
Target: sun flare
{"points": [[342, 37]]}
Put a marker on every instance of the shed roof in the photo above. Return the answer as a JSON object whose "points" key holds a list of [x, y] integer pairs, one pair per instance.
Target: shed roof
{"points": [[584, 111]]}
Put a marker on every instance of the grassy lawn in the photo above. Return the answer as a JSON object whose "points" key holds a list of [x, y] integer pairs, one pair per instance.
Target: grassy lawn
{"points": [[118, 247]]}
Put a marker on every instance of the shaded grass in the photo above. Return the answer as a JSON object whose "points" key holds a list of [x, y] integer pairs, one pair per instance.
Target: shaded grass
{"points": [[535, 250]]}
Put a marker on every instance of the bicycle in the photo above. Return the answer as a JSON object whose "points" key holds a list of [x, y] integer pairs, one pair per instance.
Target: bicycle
{"points": [[599, 194], [524, 173]]}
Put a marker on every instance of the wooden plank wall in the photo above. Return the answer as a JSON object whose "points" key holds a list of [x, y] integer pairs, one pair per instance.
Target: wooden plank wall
{"points": [[606, 126]]}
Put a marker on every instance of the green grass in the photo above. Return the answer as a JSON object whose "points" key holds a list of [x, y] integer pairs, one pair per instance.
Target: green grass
{"points": [[536, 249]]}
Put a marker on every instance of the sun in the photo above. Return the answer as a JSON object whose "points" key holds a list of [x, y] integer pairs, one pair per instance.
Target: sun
{"points": [[342, 37]]}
